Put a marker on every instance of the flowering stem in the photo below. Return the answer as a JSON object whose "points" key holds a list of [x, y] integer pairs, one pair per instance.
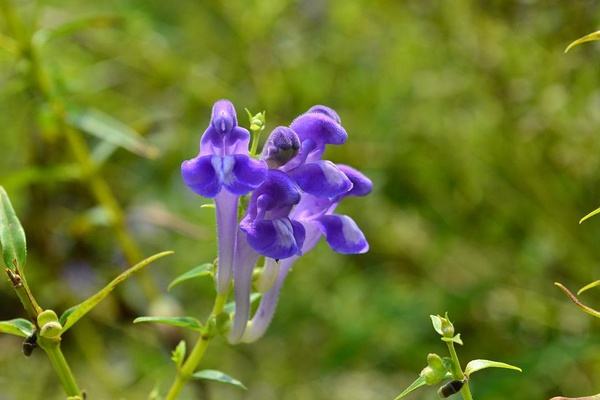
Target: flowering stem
{"points": [[191, 363], [465, 391], [61, 367]]}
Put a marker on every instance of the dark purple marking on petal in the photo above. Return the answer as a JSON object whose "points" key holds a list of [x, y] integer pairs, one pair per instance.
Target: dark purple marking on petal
{"points": [[321, 179], [281, 146], [343, 235], [202, 175]]}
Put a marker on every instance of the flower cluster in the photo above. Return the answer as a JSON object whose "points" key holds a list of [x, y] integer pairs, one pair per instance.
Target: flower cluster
{"points": [[293, 194]]}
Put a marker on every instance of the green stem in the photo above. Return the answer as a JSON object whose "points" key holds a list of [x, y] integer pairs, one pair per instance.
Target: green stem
{"points": [[458, 373], [61, 366], [255, 140], [24, 294], [191, 363]]}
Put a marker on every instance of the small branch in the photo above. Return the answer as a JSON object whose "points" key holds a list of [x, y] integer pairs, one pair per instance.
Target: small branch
{"points": [[24, 294], [575, 300]]}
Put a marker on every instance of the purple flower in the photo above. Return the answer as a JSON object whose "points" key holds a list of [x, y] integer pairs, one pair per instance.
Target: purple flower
{"points": [[224, 170], [294, 207]]}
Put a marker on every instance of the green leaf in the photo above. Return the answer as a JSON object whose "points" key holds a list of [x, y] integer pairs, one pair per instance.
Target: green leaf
{"points": [[74, 314], [196, 272], [419, 382], [455, 339], [105, 127], [181, 322], [68, 28], [12, 235], [589, 286], [590, 215], [230, 307], [218, 376], [587, 38], [436, 320], [178, 354], [18, 327], [476, 365]]}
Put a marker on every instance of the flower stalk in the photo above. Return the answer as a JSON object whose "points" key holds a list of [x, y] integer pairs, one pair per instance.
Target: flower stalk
{"points": [[191, 363], [465, 391], [60, 365]]}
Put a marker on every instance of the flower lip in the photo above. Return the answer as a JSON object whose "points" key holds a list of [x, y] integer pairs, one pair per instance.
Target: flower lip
{"points": [[361, 184]]}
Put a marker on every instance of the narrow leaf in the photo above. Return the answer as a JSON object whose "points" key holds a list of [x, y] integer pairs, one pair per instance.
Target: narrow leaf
{"points": [[12, 235], [230, 307], [477, 365], [75, 313], [71, 27], [589, 286], [182, 322], [105, 127], [18, 327], [178, 354], [578, 303], [196, 272], [590, 215], [218, 376], [587, 38], [455, 339], [419, 382]]}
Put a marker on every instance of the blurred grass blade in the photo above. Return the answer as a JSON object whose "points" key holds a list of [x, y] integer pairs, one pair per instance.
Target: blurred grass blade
{"points": [[45, 175], [587, 38], [218, 376], [178, 354], [590, 215], [12, 235], [478, 365], [199, 271], [74, 314], [589, 286], [105, 127], [71, 27], [18, 327], [419, 382], [575, 300], [181, 322]]}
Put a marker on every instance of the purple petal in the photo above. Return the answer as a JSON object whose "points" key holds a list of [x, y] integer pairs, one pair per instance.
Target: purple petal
{"points": [[280, 188], [201, 176], [241, 174], [320, 128], [268, 304], [236, 141], [279, 238], [321, 179], [226, 205], [330, 112], [223, 117], [243, 266], [361, 185], [343, 235]]}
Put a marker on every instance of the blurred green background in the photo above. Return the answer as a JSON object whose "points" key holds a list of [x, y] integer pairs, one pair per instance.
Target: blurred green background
{"points": [[481, 137]]}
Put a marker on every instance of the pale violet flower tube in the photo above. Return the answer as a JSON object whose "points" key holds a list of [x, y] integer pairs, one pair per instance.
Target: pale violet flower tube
{"points": [[291, 210], [223, 170]]}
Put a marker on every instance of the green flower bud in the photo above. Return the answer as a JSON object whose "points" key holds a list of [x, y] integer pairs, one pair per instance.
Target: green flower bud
{"points": [[51, 330], [435, 371], [45, 317]]}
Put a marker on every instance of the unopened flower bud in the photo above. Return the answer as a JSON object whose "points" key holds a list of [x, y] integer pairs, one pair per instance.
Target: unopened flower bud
{"points": [[435, 371], [51, 330], [45, 317], [282, 145]]}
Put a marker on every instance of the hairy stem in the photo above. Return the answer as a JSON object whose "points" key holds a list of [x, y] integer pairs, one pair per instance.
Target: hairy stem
{"points": [[195, 357], [458, 373]]}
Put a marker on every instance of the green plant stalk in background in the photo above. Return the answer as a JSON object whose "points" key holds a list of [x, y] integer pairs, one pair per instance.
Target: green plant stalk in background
{"points": [[100, 189], [191, 363]]}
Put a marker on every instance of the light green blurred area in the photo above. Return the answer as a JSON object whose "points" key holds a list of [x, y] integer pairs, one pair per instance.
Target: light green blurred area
{"points": [[481, 138]]}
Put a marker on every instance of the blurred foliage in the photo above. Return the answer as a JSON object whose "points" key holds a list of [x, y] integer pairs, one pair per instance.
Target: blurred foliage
{"points": [[481, 137]]}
